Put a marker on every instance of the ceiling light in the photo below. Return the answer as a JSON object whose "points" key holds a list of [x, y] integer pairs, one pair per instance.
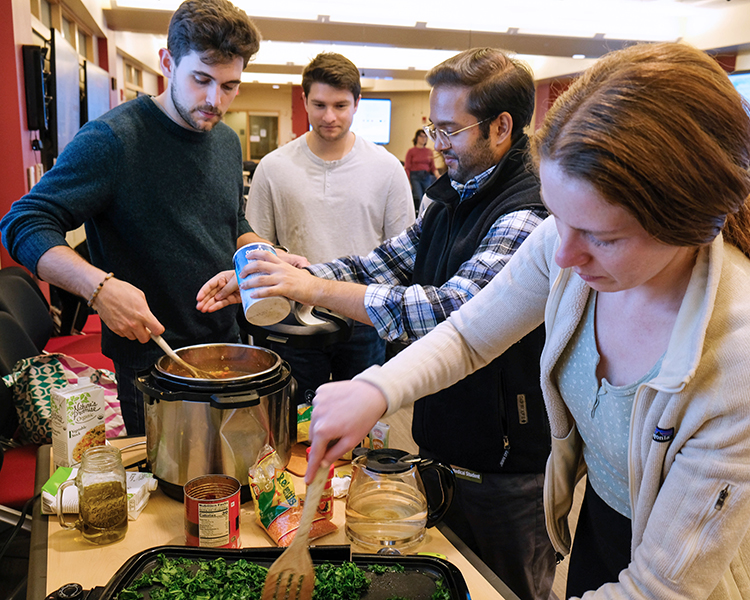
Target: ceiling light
{"points": [[272, 78], [579, 56], [365, 57]]}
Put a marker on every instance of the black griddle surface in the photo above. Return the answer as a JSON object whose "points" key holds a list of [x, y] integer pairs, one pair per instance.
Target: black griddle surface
{"points": [[417, 582]]}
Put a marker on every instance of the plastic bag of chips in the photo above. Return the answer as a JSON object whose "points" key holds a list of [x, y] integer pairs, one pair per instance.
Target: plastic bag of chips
{"points": [[277, 508]]}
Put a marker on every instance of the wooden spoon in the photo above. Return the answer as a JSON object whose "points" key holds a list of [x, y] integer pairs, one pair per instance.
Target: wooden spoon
{"points": [[291, 576], [194, 371]]}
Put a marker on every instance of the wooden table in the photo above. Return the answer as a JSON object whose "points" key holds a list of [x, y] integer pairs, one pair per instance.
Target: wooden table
{"points": [[60, 556]]}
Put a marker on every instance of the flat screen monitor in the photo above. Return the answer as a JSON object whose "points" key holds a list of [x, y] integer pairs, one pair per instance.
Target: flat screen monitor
{"points": [[66, 93], [741, 81], [373, 120], [97, 91]]}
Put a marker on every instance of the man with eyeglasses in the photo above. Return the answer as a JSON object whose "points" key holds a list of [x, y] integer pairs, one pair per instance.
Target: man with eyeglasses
{"points": [[491, 426]]}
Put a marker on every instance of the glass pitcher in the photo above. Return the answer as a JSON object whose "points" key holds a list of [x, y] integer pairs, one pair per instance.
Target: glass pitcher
{"points": [[387, 506]]}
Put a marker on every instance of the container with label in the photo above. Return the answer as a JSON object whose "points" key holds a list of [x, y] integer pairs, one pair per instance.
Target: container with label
{"points": [[76, 421], [325, 506], [212, 511], [259, 311]]}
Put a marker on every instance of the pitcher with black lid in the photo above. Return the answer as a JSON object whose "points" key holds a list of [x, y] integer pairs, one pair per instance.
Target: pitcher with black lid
{"points": [[387, 507]]}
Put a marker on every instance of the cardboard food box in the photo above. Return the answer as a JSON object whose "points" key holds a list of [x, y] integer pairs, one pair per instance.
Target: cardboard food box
{"points": [[77, 421]]}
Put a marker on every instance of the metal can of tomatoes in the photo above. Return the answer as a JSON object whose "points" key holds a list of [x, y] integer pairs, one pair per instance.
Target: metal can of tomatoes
{"points": [[212, 511]]}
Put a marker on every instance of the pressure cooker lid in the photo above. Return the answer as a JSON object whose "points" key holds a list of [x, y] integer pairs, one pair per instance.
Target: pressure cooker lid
{"points": [[304, 327], [226, 362]]}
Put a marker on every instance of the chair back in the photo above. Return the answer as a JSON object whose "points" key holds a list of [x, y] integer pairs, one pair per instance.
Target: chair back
{"points": [[18, 299], [15, 344], [14, 271]]}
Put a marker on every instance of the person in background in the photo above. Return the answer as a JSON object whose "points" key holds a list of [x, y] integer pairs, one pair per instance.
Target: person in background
{"points": [[420, 167], [496, 436], [327, 194], [642, 277], [158, 183]]}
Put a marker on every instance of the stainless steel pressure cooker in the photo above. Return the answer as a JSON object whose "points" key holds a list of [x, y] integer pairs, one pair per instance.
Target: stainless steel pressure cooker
{"points": [[218, 425]]}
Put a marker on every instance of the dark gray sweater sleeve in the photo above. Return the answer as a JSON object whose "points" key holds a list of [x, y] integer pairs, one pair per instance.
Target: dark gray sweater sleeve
{"points": [[77, 188]]}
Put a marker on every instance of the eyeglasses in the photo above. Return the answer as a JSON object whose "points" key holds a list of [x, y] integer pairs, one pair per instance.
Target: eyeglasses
{"points": [[444, 136]]}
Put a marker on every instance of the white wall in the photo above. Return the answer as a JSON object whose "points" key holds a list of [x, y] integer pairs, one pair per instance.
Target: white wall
{"points": [[264, 100], [743, 61]]}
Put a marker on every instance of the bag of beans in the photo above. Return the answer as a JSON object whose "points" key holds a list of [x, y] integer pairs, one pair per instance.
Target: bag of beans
{"points": [[277, 508]]}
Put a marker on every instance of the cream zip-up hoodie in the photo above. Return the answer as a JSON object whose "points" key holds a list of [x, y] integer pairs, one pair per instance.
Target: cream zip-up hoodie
{"points": [[689, 449]]}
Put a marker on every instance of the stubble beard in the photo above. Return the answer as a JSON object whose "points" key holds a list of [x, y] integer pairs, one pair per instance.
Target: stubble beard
{"points": [[186, 114], [329, 137], [471, 163]]}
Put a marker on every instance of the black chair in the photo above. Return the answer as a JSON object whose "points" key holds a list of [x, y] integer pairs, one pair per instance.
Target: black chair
{"points": [[15, 344], [19, 299], [26, 276], [19, 463]]}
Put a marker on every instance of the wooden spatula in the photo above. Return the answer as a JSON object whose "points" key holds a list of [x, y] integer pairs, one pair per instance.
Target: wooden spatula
{"points": [[192, 369], [291, 576]]}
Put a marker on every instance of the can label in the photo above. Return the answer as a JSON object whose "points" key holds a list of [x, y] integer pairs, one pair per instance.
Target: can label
{"points": [[259, 311], [213, 524]]}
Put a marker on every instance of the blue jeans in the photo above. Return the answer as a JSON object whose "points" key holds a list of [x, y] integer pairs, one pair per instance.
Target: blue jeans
{"points": [[420, 181], [312, 367]]}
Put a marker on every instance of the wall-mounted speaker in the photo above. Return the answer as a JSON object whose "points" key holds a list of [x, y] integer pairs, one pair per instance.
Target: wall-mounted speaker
{"points": [[37, 117]]}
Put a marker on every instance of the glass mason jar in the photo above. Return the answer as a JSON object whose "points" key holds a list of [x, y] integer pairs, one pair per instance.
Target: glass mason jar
{"points": [[102, 496]]}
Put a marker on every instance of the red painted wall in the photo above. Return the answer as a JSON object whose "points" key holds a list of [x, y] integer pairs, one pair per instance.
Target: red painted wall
{"points": [[300, 124], [727, 62], [17, 155], [546, 94], [106, 58]]}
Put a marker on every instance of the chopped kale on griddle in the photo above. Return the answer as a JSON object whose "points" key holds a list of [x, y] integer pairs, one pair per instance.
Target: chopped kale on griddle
{"points": [[187, 579]]}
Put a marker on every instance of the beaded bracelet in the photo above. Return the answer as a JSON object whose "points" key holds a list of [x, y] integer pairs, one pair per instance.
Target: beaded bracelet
{"points": [[98, 289]]}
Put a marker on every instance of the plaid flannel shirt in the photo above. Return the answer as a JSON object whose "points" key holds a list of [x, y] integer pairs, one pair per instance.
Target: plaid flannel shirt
{"points": [[403, 311]]}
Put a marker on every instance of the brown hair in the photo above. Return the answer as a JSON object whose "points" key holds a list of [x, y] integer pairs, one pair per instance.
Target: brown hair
{"points": [[498, 84], [659, 130], [334, 70], [215, 28], [416, 136]]}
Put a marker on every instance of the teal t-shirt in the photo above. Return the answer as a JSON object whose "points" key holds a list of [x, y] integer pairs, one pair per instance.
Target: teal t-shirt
{"points": [[602, 412]]}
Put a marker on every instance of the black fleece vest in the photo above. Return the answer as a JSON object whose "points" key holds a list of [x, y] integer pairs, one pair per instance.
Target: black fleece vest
{"points": [[493, 420]]}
